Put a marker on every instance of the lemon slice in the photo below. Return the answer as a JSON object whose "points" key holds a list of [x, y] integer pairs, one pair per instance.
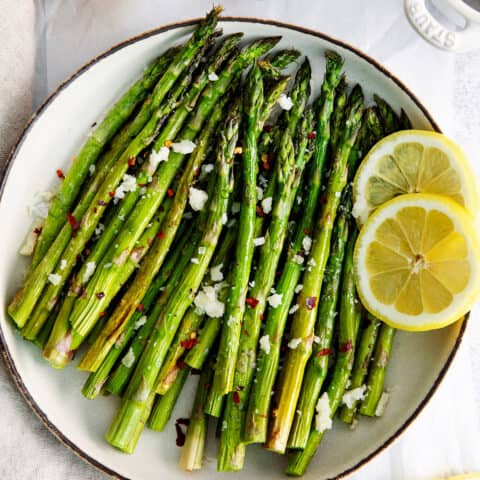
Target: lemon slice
{"points": [[417, 262], [413, 161]]}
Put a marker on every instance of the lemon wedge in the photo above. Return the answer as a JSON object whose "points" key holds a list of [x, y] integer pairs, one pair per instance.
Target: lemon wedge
{"points": [[413, 161], [417, 262]]}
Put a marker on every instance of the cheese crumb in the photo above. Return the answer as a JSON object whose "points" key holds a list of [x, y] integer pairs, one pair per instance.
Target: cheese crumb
{"points": [[294, 309], [224, 219], [195, 260], [202, 250], [285, 102], [294, 343], [298, 259], [267, 205], [259, 193], [207, 302], [351, 396], [140, 322], [197, 198], [257, 242], [275, 300], [265, 344], [129, 184], [206, 169], [54, 278], [212, 76], [316, 339], [235, 207], [299, 288], [216, 273], [323, 420], [91, 169], [129, 359], [40, 208], [90, 268], [307, 244], [30, 241], [158, 157], [185, 146], [382, 404], [63, 264]]}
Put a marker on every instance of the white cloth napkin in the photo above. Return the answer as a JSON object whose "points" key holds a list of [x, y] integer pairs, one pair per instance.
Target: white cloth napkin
{"points": [[445, 438]]}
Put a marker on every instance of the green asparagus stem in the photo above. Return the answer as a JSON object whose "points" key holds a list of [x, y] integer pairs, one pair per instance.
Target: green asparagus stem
{"points": [[299, 461], [317, 366], [164, 404], [81, 225], [260, 398], [405, 123], [143, 381], [360, 368], [91, 150], [338, 115], [191, 457], [378, 368], [389, 118], [304, 320]]}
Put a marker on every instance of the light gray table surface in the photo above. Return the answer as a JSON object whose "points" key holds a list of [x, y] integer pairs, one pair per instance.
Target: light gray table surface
{"points": [[28, 450]]}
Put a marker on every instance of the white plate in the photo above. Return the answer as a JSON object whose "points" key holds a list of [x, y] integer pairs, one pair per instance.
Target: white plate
{"points": [[54, 135]]}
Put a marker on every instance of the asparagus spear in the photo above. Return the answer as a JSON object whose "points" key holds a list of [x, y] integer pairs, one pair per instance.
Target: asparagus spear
{"points": [[97, 379], [143, 382], [389, 118], [300, 459], [338, 115], [360, 368], [91, 150], [81, 224], [317, 366], [191, 457], [164, 404], [304, 320], [378, 368], [259, 403], [229, 340]]}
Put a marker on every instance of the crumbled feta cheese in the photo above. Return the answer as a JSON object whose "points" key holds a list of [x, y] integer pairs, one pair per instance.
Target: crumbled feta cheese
{"points": [[337, 194], [129, 184], [90, 268], [197, 198], [40, 208], [294, 343], [100, 228], [299, 288], [91, 169], [63, 264], [30, 241], [275, 300], [299, 200], [206, 169], [54, 278], [195, 260], [129, 359], [216, 273], [382, 404], [158, 157], [257, 242], [224, 219], [351, 396], [298, 259], [259, 193], [265, 344], [294, 309], [285, 102], [323, 418], [312, 262], [207, 301], [267, 205], [224, 425], [212, 76], [140, 322], [262, 181], [185, 146], [307, 244], [251, 284], [201, 250], [235, 207], [316, 339]]}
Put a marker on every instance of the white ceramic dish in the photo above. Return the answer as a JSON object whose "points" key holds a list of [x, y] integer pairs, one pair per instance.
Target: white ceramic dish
{"points": [[53, 136]]}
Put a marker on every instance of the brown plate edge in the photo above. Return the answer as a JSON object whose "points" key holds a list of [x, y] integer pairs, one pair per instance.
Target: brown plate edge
{"points": [[4, 175]]}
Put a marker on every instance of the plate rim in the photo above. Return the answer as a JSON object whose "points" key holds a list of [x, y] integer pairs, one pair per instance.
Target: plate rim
{"points": [[6, 355]]}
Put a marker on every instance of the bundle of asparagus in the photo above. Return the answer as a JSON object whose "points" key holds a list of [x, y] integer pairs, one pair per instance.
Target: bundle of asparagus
{"points": [[214, 233]]}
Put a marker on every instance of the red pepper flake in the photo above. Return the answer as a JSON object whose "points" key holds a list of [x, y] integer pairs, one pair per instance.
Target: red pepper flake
{"points": [[141, 185], [75, 224], [170, 192], [180, 364], [307, 231], [100, 295], [179, 423], [140, 307], [87, 251], [131, 161], [262, 316], [189, 344], [60, 174], [323, 352], [236, 398], [102, 203], [260, 212], [251, 302], [160, 235], [346, 347], [94, 209], [102, 314], [312, 135], [265, 162], [311, 302], [37, 231], [111, 194], [268, 128]]}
